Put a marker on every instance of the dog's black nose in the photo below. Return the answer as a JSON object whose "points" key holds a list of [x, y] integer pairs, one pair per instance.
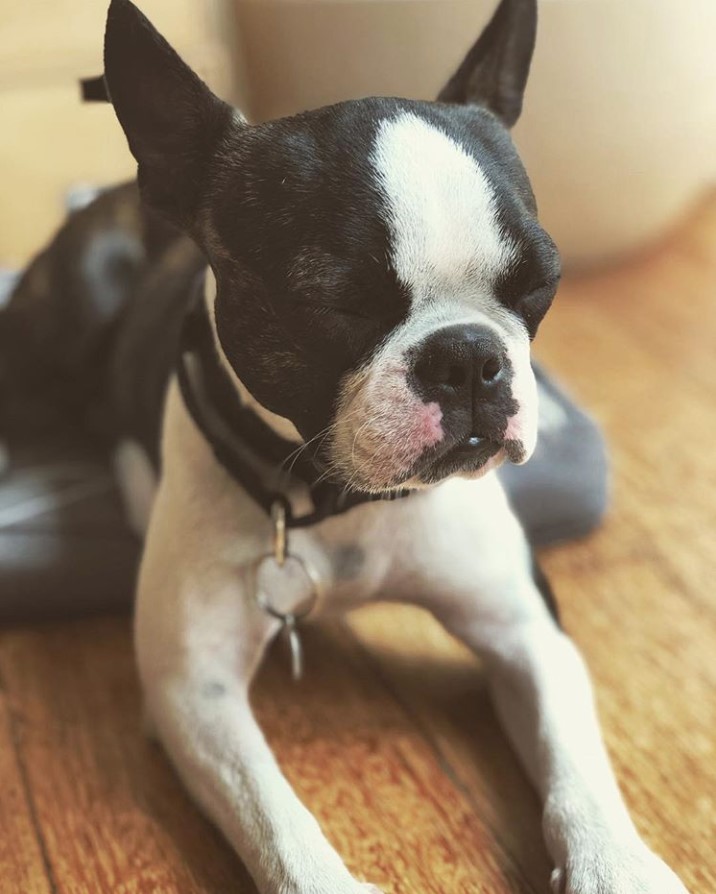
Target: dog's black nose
{"points": [[459, 364]]}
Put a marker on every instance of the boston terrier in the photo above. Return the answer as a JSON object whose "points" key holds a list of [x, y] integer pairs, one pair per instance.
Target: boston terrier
{"points": [[312, 336]]}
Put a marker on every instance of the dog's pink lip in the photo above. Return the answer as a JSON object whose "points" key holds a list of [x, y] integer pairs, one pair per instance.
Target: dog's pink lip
{"points": [[462, 457], [429, 424], [513, 429], [399, 439]]}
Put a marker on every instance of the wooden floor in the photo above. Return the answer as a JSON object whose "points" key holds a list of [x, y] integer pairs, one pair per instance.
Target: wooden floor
{"points": [[391, 740]]}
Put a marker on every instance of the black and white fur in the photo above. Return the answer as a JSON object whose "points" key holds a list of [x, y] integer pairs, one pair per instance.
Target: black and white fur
{"points": [[376, 274]]}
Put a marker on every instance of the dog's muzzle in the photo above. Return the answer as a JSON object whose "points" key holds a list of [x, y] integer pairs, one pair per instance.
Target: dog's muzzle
{"points": [[466, 371]]}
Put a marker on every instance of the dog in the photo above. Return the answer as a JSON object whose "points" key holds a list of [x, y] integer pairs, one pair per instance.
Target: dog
{"points": [[305, 338]]}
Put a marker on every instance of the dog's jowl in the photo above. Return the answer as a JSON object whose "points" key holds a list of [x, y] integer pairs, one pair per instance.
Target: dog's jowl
{"points": [[318, 345]]}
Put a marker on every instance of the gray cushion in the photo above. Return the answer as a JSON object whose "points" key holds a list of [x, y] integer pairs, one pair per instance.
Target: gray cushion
{"points": [[64, 546], [562, 492]]}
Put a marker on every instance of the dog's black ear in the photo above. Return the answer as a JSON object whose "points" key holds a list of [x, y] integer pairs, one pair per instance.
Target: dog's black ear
{"points": [[171, 119], [494, 72]]}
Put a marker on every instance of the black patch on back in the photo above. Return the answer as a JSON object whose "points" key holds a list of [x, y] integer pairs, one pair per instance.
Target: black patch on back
{"points": [[91, 331]]}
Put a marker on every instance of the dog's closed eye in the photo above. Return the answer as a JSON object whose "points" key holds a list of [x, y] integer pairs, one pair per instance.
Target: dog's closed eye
{"points": [[367, 315], [535, 303]]}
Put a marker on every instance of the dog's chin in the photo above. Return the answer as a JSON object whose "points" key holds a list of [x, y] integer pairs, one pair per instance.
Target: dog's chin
{"points": [[460, 461], [463, 461]]}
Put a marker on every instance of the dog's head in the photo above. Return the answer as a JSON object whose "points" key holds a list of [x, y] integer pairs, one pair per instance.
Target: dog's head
{"points": [[379, 266]]}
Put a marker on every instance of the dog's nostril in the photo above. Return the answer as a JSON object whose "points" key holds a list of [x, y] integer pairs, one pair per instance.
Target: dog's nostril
{"points": [[491, 369]]}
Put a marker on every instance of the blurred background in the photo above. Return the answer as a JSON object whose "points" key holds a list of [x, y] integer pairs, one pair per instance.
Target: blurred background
{"points": [[619, 137], [618, 133]]}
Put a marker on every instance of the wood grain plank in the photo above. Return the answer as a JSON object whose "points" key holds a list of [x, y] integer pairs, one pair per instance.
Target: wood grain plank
{"points": [[23, 866], [111, 812], [439, 682]]}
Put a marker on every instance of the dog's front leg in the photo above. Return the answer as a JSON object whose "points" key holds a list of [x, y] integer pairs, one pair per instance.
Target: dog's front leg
{"points": [[199, 708], [543, 696], [199, 640]]}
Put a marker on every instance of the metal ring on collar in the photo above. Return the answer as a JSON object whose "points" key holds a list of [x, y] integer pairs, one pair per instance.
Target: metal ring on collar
{"points": [[306, 606]]}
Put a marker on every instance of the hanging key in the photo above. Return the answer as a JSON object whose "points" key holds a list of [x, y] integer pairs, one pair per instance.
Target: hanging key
{"points": [[295, 647]]}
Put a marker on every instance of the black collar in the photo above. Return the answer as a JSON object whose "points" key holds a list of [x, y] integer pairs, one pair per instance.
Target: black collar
{"points": [[241, 441]]}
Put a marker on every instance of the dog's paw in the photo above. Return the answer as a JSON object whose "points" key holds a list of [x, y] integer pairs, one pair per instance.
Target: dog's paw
{"points": [[632, 871]]}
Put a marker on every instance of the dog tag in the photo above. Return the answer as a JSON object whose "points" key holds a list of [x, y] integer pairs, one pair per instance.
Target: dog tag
{"points": [[294, 645], [287, 587]]}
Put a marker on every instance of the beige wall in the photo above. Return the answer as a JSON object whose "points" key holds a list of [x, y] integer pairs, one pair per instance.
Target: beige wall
{"points": [[50, 140], [307, 53]]}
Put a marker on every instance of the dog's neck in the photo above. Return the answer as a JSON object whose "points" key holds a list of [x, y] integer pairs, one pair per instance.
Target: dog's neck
{"points": [[283, 427]]}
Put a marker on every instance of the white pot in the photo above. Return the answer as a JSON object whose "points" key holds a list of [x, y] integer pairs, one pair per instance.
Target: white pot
{"points": [[619, 124], [619, 128]]}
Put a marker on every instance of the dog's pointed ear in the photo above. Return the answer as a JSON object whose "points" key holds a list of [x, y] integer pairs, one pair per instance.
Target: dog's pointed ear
{"points": [[494, 72], [171, 119]]}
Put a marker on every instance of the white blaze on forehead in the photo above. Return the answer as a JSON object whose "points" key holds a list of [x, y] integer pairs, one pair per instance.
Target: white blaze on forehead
{"points": [[441, 209]]}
